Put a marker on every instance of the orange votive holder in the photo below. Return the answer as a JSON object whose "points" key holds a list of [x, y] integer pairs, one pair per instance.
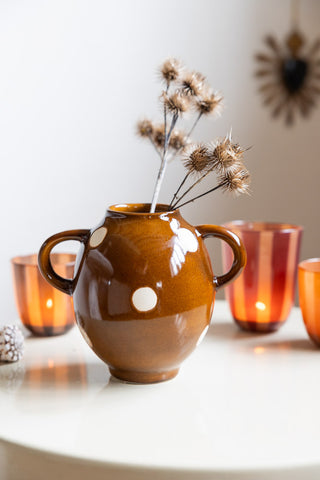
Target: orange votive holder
{"points": [[42, 309], [309, 296], [262, 297]]}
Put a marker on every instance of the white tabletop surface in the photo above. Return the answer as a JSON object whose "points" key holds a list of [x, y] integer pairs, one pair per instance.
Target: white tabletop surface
{"points": [[242, 406]]}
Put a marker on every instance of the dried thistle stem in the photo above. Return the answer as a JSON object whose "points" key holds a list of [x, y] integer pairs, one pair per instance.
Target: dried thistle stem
{"points": [[179, 188], [237, 182], [165, 111], [163, 165], [192, 186], [199, 196], [173, 156], [155, 146], [194, 125]]}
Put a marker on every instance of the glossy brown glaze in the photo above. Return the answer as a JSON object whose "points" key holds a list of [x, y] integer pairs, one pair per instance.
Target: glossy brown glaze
{"points": [[144, 288]]}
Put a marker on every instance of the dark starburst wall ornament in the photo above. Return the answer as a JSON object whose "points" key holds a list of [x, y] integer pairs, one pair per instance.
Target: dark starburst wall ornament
{"points": [[290, 73]]}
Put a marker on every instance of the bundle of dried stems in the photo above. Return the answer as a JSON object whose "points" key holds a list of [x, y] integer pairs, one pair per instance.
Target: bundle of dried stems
{"points": [[183, 92]]}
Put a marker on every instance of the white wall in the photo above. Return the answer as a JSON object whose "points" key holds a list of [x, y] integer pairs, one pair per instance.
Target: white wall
{"points": [[75, 76]]}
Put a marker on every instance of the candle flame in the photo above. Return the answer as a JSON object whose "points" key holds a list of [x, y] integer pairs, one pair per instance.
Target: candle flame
{"points": [[49, 303], [50, 363], [260, 306]]}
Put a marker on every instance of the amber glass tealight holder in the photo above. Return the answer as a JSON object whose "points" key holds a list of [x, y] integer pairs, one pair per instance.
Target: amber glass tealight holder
{"points": [[262, 297], [309, 296], [43, 310]]}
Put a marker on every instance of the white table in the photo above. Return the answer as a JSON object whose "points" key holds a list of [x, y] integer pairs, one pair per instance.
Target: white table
{"points": [[243, 406]]}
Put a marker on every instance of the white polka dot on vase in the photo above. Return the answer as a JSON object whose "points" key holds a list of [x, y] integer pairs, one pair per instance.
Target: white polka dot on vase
{"points": [[144, 299], [97, 237]]}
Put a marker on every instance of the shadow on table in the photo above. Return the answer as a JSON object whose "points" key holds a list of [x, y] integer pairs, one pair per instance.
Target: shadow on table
{"points": [[231, 331]]}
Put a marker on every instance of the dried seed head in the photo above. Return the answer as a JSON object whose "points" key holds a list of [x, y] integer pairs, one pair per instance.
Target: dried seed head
{"points": [[236, 181], [192, 83], [177, 104], [158, 135], [226, 155], [11, 343], [170, 70], [196, 158], [145, 128], [178, 139], [210, 103]]}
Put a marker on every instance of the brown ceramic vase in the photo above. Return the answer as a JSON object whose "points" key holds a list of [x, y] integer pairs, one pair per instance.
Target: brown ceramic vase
{"points": [[143, 290]]}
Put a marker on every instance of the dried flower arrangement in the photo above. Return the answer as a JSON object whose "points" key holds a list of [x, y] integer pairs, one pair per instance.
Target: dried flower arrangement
{"points": [[183, 92]]}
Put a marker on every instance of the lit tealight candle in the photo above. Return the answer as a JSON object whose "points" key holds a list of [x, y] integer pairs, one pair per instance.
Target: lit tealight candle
{"points": [[49, 303], [260, 306], [42, 309], [262, 297]]}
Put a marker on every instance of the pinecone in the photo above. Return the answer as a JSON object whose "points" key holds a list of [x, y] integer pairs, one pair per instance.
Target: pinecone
{"points": [[11, 343]]}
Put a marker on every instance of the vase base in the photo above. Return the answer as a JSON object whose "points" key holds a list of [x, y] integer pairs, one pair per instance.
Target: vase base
{"points": [[143, 377], [258, 327]]}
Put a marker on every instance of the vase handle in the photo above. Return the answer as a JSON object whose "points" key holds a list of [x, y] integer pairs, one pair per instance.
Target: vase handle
{"points": [[239, 252], [64, 284]]}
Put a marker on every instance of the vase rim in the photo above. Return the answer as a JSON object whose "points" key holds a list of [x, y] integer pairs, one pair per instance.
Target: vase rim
{"points": [[141, 209], [262, 226], [57, 258], [310, 265]]}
